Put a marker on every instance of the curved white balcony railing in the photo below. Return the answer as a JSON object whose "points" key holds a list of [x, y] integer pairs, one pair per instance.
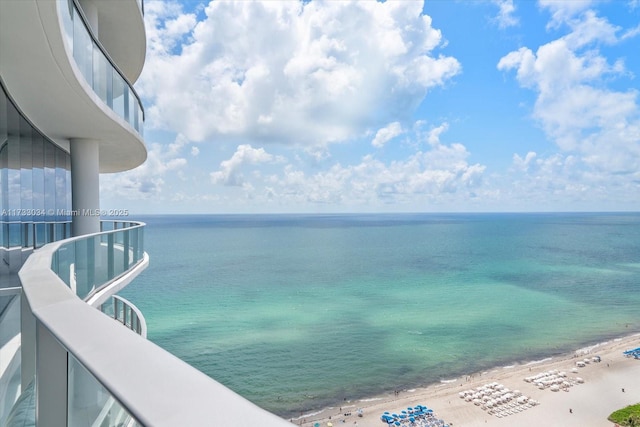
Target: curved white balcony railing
{"points": [[88, 263], [100, 72], [89, 370], [125, 312]]}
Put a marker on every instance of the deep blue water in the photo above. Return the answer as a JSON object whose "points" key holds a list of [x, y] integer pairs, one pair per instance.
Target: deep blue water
{"points": [[296, 312]]}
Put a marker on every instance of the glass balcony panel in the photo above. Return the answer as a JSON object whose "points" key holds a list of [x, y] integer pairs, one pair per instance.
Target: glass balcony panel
{"points": [[66, 10], [40, 235], [82, 48], [15, 235], [101, 75], [90, 404], [5, 234], [118, 94], [88, 263], [132, 109]]}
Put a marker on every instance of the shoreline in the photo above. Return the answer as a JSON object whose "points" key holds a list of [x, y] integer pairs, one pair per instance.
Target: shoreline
{"points": [[589, 401]]}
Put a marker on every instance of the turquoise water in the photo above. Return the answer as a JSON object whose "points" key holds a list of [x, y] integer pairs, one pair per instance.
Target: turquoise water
{"points": [[298, 312]]}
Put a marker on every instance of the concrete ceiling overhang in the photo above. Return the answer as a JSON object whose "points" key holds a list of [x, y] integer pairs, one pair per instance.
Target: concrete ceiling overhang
{"points": [[47, 86]]}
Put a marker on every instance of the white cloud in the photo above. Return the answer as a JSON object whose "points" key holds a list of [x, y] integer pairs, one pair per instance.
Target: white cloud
{"points": [[386, 134], [230, 172], [561, 11], [563, 181], [195, 151], [433, 137], [440, 173], [576, 110], [146, 181], [166, 26], [590, 28], [292, 72], [522, 164], [631, 32], [505, 17]]}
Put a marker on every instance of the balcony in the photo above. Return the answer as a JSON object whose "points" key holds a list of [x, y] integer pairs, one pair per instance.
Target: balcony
{"points": [[64, 81], [98, 69], [83, 368]]}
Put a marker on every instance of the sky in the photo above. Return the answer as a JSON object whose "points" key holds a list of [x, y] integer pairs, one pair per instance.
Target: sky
{"points": [[397, 106]]}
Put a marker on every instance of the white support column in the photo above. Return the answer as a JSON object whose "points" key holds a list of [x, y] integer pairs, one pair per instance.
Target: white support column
{"points": [[51, 380], [85, 186]]}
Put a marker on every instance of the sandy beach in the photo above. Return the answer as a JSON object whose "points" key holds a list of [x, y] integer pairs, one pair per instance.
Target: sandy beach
{"points": [[596, 390]]}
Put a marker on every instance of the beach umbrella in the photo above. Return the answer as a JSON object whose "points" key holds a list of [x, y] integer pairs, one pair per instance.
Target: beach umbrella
{"points": [[316, 425]]}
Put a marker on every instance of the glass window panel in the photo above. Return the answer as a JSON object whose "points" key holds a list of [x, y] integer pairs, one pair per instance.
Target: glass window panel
{"points": [[13, 165], [49, 182], [37, 151], [26, 181], [68, 191], [4, 169], [4, 103], [61, 185], [59, 231]]}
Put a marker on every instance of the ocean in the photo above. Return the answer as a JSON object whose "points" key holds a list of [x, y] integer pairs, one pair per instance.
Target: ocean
{"points": [[298, 312]]}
